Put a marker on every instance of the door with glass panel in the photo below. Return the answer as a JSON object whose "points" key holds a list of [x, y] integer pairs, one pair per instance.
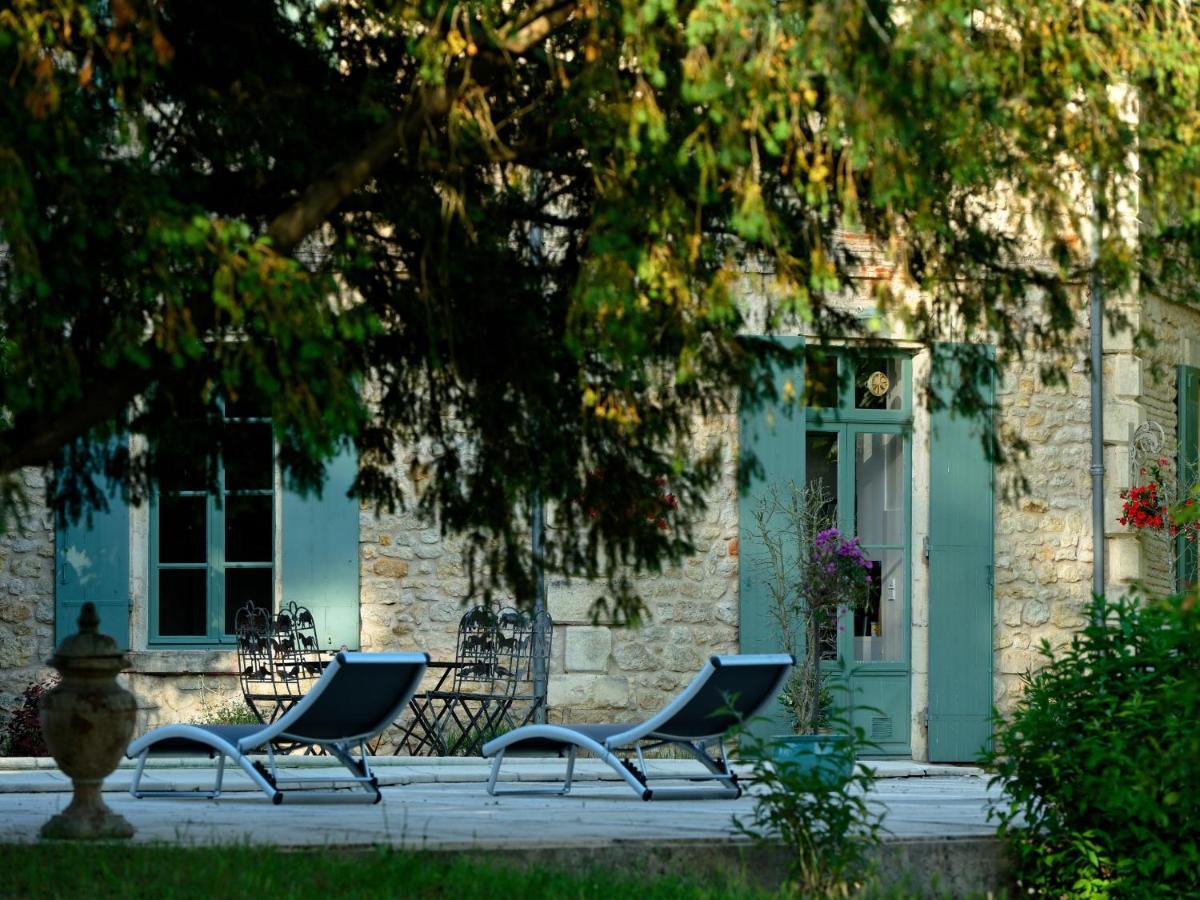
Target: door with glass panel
{"points": [[859, 451]]}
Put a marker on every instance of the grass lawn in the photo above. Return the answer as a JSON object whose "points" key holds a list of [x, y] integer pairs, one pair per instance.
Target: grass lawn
{"points": [[81, 871]]}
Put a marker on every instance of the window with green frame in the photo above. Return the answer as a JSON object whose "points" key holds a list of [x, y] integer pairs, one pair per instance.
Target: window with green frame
{"points": [[212, 552]]}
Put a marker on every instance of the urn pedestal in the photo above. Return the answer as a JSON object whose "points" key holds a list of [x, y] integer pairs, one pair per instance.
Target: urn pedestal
{"points": [[87, 722]]}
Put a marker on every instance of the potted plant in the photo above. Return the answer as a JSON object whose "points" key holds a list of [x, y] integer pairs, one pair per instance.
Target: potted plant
{"points": [[815, 576]]}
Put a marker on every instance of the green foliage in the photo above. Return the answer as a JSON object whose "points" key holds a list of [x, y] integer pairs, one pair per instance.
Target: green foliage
{"points": [[66, 869], [1100, 760], [824, 822], [229, 712], [811, 575], [330, 206]]}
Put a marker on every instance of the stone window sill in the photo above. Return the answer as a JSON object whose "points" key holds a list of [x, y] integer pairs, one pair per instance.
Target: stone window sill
{"points": [[183, 662]]}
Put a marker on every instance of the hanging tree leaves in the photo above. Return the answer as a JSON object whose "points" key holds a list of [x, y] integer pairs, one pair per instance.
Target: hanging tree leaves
{"points": [[330, 206]]}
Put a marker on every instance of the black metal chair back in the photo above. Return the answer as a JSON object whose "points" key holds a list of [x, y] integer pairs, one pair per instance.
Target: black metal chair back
{"points": [[490, 686], [279, 657]]}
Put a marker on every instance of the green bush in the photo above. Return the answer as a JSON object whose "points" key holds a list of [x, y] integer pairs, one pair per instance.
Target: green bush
{"points": [[824, 822], [1100, 761]]}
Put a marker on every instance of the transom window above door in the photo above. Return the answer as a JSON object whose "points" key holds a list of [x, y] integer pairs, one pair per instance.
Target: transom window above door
{"points": [[859, 381], [212, 552]]}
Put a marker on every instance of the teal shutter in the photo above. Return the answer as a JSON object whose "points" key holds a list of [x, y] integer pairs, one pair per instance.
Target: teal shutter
{"points": [[320, 554], [774, 432], [1188, 435], [91, 563], [960, 576]]}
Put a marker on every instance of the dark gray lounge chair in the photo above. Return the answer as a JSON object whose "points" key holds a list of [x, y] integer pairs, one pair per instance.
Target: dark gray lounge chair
{"points": [[728, 691], [358, 696]]}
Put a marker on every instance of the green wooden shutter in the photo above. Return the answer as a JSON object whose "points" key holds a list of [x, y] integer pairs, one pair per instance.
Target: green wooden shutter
{"points": [[92, 563], [320, 554], [1188, 434], [774, 432], [960, 576]]}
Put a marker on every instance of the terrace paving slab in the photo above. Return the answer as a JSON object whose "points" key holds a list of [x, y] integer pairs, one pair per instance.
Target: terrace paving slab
{"points": [[442, 804], [937, 826]]}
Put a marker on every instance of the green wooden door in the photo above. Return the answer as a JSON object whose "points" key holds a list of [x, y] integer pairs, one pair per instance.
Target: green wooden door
{"points": [[960, 576]]}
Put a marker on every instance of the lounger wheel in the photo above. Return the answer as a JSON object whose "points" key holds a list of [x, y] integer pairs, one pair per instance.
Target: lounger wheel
{"points": [[278, 798]]}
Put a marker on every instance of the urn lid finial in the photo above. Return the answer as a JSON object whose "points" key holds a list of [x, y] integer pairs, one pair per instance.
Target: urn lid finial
{"points": [[88, 649]]}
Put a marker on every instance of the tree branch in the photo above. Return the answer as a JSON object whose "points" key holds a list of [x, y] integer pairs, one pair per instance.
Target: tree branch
{"points": [[322, 197], [40, 437], [537, 30]]}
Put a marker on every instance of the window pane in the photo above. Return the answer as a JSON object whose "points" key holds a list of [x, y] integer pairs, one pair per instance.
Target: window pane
{"points": [[182, 602], [879, 629], [821, 466], [878, 383], [182, 532], [248, 532], [879, 488], [183, 472], [820, 380], [244, 586], [249, 457]]}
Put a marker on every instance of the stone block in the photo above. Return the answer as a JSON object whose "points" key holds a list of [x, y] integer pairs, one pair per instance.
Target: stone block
{"points": [[587, 648], [1036, 612], [390, 568], [632, 656], [1123, 376], [1018, 662], [683, 657], [572, 603], [565, 691], [1124, 559], [611, 692], [1121, 419]]}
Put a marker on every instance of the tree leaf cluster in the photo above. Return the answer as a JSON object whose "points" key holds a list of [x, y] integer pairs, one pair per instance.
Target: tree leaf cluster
{"points": [[333, 207]]}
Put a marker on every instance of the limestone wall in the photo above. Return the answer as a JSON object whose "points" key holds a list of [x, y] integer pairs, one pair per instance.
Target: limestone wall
{"points": [[414, 590], [26, 598], [1043, 545]]}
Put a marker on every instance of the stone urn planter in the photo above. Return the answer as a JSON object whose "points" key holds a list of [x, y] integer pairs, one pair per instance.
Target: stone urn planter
{"points": [[87, 722]]}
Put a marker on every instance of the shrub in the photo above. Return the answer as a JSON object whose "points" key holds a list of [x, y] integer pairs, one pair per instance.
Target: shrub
{"points": [[823, 821], [1099, 763], [23, 732]]}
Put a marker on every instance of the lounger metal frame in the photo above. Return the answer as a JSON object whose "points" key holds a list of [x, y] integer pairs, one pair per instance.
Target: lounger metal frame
{"points": [[267, 777], [648, 736]]}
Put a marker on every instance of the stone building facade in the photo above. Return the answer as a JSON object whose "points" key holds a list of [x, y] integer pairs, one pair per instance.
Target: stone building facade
{"points": [[412, 584]]}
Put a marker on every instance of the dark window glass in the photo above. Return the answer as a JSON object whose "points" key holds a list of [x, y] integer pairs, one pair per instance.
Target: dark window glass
{"points": [[821, 465], [183, 472], [249, 457], [244, 586], [182, 602], [182, 534], [820, 380], [248, 532], [877, 383]]}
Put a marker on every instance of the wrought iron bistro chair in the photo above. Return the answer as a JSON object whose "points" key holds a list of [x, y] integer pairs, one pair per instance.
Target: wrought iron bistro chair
{"points": [[279, 658], [488, 688]]}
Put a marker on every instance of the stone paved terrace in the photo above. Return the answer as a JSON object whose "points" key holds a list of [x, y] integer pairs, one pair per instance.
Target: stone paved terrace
{"points": [[936, 815]]}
